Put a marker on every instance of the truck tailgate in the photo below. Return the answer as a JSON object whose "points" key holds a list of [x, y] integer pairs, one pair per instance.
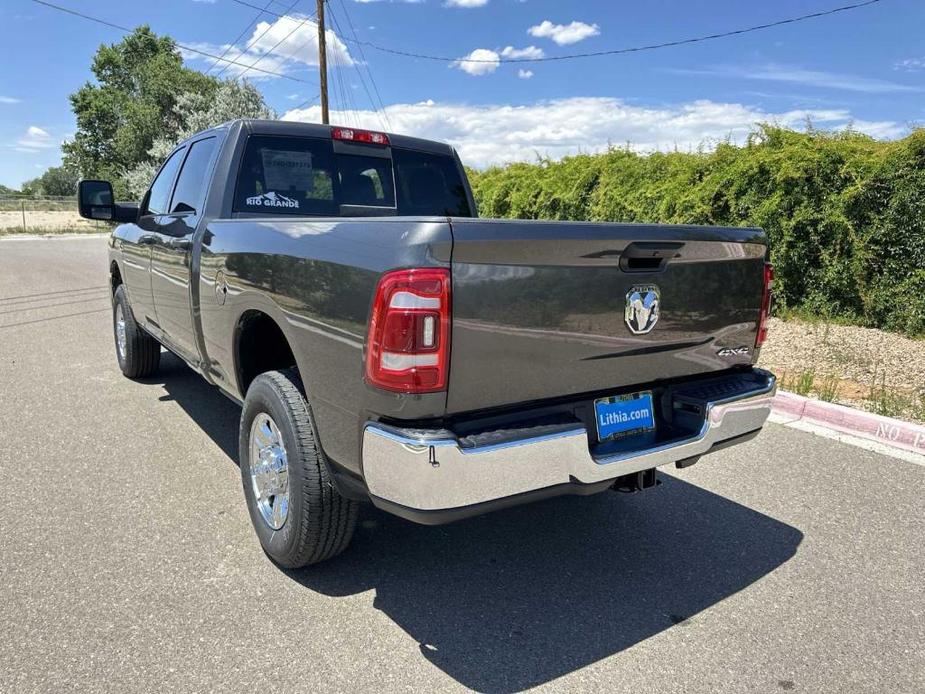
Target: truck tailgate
{"points": [[539, 307]]}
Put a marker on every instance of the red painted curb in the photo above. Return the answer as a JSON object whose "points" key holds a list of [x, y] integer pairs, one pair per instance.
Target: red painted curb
{"points": [[891, 432]]}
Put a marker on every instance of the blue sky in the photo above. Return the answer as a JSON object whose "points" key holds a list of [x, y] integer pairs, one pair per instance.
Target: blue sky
{"points": [[865, 67]]}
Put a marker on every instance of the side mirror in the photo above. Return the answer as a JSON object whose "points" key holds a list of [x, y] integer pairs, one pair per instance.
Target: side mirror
{"points": [[95, 200]]}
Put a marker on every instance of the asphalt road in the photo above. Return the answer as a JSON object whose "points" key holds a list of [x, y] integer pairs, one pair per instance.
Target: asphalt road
{"points": [[127, 561]]}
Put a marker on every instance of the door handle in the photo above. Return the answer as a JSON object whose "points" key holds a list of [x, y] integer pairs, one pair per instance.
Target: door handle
{"points": [[649, 256], [147, 240]]}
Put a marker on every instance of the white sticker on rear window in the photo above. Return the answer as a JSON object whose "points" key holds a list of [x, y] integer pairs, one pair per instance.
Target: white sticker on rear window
{"points": [[288, 170], [272, 199]]}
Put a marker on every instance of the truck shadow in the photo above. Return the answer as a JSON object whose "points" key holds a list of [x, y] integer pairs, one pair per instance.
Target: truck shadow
{"points": [[518, 598], [215, 414]]}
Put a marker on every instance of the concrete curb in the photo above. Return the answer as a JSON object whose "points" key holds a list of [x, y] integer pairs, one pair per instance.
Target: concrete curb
{"points": [[894, 433], [53, 237]]}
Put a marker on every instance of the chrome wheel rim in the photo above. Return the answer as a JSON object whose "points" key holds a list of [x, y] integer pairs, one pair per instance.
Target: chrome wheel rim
{"points": [[269, 471], [120, 331]]}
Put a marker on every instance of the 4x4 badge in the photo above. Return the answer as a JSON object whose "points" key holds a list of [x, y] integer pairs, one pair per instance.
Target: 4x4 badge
{"points": [[732, 351]]}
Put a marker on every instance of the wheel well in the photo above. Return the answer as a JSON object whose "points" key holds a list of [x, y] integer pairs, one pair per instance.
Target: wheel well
{"points": [[115, 277], [260, 346]]}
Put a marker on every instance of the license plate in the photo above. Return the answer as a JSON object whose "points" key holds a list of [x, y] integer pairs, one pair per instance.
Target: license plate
{"points": [[623, 415]]}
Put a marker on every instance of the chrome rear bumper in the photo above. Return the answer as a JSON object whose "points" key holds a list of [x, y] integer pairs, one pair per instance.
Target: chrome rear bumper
{"points": [[427, 470]]}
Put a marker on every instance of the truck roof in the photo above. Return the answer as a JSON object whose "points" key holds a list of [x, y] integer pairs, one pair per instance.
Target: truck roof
{"points": [[297, 129]]}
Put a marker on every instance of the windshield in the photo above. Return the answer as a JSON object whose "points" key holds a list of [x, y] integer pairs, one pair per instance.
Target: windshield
{"points": [[304, 176]]}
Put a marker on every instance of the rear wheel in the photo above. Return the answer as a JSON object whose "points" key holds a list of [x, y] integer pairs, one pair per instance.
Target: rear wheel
{"points": [[299, 517], [138, 353]]}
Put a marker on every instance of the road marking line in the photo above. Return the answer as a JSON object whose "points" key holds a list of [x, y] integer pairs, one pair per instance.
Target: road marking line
{"points": [[866, 444], [50, 318]]}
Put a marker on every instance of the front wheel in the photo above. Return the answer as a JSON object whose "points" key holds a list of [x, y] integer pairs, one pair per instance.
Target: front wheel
{"points": [[299, 517], [138, 353]]}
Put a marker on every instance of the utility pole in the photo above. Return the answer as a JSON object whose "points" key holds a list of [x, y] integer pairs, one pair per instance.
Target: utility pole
{"points": [[323, 63]]}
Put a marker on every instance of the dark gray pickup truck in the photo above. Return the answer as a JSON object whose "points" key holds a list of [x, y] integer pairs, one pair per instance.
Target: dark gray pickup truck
{"points": [[387, 345]]}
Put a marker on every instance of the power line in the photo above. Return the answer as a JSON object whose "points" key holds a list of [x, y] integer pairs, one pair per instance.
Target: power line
{"points": [[240, 36], [620, 51], [359, 73], [254, 41], [279, 43], [305, 103], [257, 7], [126, 30], [369, 72], [340, 87]]}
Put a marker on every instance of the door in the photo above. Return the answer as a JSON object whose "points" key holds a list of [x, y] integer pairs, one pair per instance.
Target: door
{"points": [[171, 256], [136, 252]]}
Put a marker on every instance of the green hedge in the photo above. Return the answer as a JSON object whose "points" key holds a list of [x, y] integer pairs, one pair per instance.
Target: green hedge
{"points": [[845, 214]]}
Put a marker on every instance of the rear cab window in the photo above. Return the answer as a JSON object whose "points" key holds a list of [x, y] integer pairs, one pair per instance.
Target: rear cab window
{"points": [[291, 175]]}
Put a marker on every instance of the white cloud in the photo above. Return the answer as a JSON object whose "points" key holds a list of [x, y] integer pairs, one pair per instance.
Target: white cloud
{"points": [[297, 36], [525, 74], [8, 100], [810, 78], [466, 3], [484, 61], [498, 134], [34, 140], [531, 52], [910, 64], [481, 61], [564, 34]]}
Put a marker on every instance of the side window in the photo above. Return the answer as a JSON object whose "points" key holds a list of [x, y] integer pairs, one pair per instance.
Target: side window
{"points": [[191, 185], [160, 189], [429, 184]]}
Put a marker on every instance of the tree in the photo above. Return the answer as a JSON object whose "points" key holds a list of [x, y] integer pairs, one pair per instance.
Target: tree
{"points": [[57, 180], [194, 112], [139, 81]]}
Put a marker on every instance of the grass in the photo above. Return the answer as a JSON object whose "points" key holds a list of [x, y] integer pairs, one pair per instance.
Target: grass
{"points": [[890, 402], [799, 382], [828, 388], [880, 398], [38, 205]]}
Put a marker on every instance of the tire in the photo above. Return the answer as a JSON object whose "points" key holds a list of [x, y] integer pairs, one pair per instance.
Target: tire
{"points": [[315, 523], [139, 354]]}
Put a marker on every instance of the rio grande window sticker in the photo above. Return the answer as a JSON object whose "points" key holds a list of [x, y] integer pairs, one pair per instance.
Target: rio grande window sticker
{"points": [[272, 199], [288, 170]]}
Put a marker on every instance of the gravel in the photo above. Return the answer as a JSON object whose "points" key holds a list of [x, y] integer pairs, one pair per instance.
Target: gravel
{"points": [[861, 359]]}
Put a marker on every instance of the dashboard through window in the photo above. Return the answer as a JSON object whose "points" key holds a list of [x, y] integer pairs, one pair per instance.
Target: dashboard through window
{"points": [[365, 181]]}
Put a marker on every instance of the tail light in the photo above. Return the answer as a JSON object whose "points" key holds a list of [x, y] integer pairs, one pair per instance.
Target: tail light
{"points": [[409, 331], [765, 305], [365, 136]]}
